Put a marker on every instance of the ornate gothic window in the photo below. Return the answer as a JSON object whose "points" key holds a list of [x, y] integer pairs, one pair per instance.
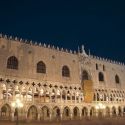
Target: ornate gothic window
{"points": [[117, 79], [41, 67], [12, 63], [65, 71], [101, 77]]}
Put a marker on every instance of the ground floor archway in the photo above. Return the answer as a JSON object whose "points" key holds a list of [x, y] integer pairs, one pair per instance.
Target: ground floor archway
{"points": [[119, 111], [107, 112], [56, 113], [44, 113], [84, 112], [76, 113], [93, 112], [32, 113], [66, 113], [113, 111], [6, 112]]}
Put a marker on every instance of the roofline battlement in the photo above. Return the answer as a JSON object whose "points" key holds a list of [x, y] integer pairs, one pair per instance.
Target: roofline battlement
{"points": [[35, 43], [106, 60]]}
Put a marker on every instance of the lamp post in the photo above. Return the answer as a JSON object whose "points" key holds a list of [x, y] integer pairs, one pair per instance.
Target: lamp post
{"points": [[100, 107], [17, 104]]}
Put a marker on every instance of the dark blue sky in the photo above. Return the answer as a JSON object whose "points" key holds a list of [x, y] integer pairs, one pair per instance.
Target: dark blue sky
{"points": [[98, 24]]}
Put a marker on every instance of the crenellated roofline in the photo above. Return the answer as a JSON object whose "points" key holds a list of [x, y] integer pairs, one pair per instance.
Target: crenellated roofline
{"points": [[81, 52]]}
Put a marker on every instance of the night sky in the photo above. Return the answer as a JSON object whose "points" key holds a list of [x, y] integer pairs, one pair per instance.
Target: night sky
{"points": [[98, 24]]}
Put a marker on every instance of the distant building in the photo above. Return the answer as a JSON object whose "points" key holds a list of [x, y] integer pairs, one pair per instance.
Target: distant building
{"points": [[54, 83]]}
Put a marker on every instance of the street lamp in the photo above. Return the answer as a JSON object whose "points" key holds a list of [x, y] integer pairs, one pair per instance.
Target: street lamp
{"points": [[100, 107], [17, 104]]}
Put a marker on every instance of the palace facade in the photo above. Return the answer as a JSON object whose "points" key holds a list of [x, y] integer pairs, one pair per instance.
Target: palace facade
{"points": [[54, 83]]}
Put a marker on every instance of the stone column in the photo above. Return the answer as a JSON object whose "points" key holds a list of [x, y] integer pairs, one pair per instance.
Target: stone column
{"points": [[75, 98], [12, 116], [38, 118], [50, 116], [25, 115], [122, 111], [61, 116], [26, 94], [66, 98], [71, 97], [117, 112], [45, 96], [97, 112], [88, 113], [79, 98], [56, 96], [7, 93], [111, 113], [50, 93], [61, 96], [71, 115], [33, 97], [104, 112], [80, 115], [13, 93]]}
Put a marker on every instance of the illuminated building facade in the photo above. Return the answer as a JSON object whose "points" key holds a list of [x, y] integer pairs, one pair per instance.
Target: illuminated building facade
{"points": [[54, 83]]}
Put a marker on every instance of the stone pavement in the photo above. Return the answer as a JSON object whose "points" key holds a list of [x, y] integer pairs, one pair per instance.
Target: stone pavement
{"points": [[112, 121]]}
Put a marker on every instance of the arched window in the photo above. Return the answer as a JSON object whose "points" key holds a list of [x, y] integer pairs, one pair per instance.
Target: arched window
{"points": [[101, 77], [12, 63], [103, 67], [117, 79], [85, 75], [65, 71], [41, 67], [96, 66]]}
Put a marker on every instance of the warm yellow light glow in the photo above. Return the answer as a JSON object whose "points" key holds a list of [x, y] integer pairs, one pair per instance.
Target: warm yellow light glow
{"points": [[17, 104], [13, 104], [97, 107], [100, 106]]}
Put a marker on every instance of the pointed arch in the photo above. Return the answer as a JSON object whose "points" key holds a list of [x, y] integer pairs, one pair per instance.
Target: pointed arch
{"points": [[85, 75], [113, 111], [12, 62], [32, 113], [76, 112], [6, 112], [101, 77], [84, 111], [41, 67], [65, 71], [117, 80], [107, 110], [92, 112], [45, 113], [66, 112], [56, 112]]}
